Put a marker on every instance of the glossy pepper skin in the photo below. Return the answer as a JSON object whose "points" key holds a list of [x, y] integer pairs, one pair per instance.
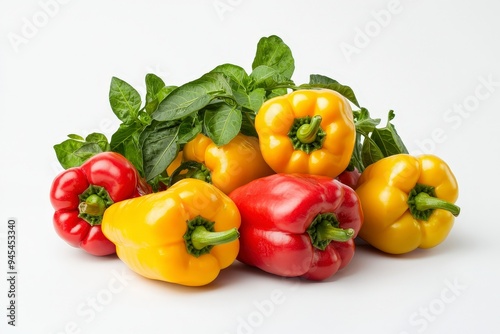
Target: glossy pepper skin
{"points": [[307, 131], [407, 202], [349, 178], [228, 166], [80, 195], [185, 234], [297, 225]]}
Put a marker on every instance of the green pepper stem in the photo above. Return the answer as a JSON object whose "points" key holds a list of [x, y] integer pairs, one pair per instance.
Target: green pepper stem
{"points": [[307, 132], [327, 232], [325, 229], [202, 238], [194, 170], [93, 205], [424, 201]]}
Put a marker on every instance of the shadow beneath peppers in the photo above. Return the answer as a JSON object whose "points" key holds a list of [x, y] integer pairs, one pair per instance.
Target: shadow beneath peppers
{"points": [[447, 246], [227, 277], [244, 272]]}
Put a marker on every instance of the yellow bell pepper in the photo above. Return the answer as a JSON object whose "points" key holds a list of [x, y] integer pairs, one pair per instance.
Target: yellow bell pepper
{"points": [[307, 132], [407, 202], [185, 234], [228, 166], [175, 164]]}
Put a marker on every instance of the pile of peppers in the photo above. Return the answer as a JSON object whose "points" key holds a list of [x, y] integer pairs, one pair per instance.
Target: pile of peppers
{"points": [[290, 200]]}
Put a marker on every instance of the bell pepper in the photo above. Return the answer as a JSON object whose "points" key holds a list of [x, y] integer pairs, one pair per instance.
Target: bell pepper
{"points": [[228, 166], [349, 177], [307, 131], [408, 202], [297, 225], [175, 164], [81, 195], [185, 234]]}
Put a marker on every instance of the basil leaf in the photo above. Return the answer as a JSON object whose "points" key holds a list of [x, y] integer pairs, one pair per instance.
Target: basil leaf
{"points": [[131, 149], [124, 133], [387, 139], [321, 81], [188, 129], [273, 52], [364, 123], [154, 84], [223, 123], [125, 101], [163, 93], [192, 97], [252, 101], [370, 152], [266, 77], [76, 137], [75, 151], [159, 148], [156, 91], [248, 124], [100, 140], [356, 158], [236, 73], [276, 92]]}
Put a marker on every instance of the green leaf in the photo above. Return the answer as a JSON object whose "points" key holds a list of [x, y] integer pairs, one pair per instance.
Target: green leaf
{"points": [[370, 152], [124, 133], [75, 151], [188, 129], [387, 139], [76, 137], [192, 97], [159, 148], [356, 158], [364, 123], [273, 52], [125, 101], [132, 150], [223, 123], [154, 84], [321, 81], [236, 73], [276, 92], [248, 124], [252, 101], [156, 91], [163, 93], [268, 78], [100, 140]]}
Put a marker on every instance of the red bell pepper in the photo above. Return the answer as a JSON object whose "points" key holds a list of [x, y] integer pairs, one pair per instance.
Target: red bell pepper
{"points": [[349, 178], [80, 195], [297, 225]]}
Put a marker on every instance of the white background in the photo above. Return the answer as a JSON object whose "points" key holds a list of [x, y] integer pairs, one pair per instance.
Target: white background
{"points": [[426, 59]]}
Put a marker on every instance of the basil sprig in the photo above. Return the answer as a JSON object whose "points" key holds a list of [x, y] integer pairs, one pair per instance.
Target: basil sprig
{"points": [[374, 143], [220, 104]]}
